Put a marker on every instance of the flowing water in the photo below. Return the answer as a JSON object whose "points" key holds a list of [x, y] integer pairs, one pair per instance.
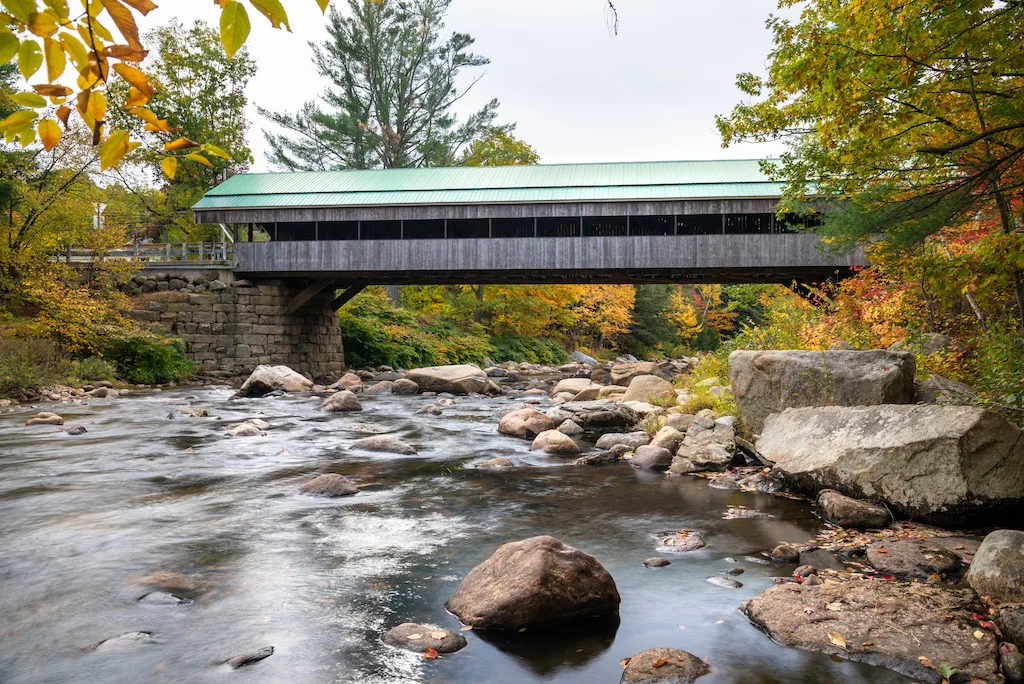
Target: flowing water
{"points": [[143, 503]]}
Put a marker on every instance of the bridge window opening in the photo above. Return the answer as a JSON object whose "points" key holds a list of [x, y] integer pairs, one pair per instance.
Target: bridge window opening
{"points": [[296, 232], [463, 229], [381, 230], [604, 226], [424, 230], [791, 223], [742, 224], [338, 230], [512, 228], [700, 224], [652, 225], [558, 227]]}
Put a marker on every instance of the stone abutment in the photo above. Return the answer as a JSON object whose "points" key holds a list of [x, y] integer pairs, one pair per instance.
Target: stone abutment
{"points": [[229, 328]]}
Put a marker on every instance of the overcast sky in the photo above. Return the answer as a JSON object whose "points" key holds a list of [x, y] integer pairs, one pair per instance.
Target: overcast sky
{"points": [[577, 92]]}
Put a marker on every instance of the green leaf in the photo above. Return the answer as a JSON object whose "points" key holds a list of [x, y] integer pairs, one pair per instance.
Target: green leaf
{"points": [[18, 120], [20, 9], [8, 47], [215, 151], [273, 11], [30, 58], [113, 149], [234, 26], [28, 100]]}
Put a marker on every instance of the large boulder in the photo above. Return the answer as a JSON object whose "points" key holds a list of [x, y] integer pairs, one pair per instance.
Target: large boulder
{"points": [[527, 422], [266, 379], [623, 373], [997, 570], [580, 357], [341, 401], [663, 666], [537, 582], [937, 463], [651, 457], [897, 625], [650, 389], [766, 382], [596, 417], [914, 559], [462, 379], [555, 442], [936, 389]]}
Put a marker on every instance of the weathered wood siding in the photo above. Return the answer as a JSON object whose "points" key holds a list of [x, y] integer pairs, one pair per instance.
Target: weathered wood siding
{"points": [[472, 211], [715, 258]]}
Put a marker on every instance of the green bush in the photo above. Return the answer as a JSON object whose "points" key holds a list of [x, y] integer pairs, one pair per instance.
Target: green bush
{"points": [[145, 358], [531, 349], [94, 368], [30, 364]]}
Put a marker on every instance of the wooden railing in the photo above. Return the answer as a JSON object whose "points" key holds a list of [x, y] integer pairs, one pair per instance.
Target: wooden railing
{"points": [[196, 253]]}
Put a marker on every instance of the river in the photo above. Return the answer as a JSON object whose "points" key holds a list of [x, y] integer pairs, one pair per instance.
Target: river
{"points": [[143, 503]]}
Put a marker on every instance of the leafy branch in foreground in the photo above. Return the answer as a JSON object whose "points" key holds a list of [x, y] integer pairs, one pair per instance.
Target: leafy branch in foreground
{"points": [[101, 42]]}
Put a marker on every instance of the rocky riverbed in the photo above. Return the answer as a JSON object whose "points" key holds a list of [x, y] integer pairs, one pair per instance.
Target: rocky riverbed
{"points": [[154, 544]]}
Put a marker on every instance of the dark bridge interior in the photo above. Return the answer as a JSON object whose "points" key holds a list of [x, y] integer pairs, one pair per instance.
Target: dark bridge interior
{"points": [[543, 227]]}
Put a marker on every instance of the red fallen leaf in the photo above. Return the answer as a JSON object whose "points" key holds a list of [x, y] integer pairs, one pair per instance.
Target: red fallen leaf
{"points": [[887, 577], [986, 624], [947, 618], [430, 654], [975, 616], [883, 550]]}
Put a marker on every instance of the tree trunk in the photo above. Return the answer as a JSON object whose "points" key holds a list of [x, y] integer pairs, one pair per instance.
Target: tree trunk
{"points": [[478, 312]]}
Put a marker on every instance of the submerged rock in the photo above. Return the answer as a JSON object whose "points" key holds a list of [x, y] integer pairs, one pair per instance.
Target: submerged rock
{"points": [[663, 666], [418, 638], [77, 430], [657, 562], [330, 485], [724, 582], [430, 410], [386, 443], [499, 462], [537, 582], [244, 430], [847, 512], [462, 379], [123, 642], [683, 541], [936, 463], [45, 418], [250, 658], [887, 624], [526, 422], [766, 382], [602, 458], [266, 379], [997, 570], [163, 598], [554, 442], [344, 400]]}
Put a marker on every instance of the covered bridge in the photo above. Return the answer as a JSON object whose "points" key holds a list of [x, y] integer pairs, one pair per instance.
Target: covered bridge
{"points": [[686, 222]]}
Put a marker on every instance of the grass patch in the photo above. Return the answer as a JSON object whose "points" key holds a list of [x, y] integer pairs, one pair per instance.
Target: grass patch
{"points": [[30, 364]]}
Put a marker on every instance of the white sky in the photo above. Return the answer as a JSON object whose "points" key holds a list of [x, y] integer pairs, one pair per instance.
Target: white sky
{"points": [[577, 93]]}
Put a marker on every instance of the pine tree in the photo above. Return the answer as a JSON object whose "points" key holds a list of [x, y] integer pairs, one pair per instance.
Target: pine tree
{"points": [[393, 89]]}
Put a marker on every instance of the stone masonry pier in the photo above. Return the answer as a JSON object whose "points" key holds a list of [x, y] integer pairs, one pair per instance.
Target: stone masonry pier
{"points": [[228, 332]]}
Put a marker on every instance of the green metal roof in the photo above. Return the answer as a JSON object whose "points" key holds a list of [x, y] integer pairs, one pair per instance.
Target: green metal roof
{"points": [[727, 179]]}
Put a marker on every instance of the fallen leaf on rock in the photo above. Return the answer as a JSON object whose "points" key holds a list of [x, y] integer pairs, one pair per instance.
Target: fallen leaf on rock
{"points": [[837, 639], [926, 662], [718, 622], [978, 634], [430, 654], [882, 550], [868, 643], [414, 637], [835, 605], [659, 662], [624, 662], [466, 628], [439, 635], [522, 629]]}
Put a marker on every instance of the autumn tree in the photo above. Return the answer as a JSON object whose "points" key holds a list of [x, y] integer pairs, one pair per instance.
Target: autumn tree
{"points": [[911, 115], [499, 148], [394, 82]]}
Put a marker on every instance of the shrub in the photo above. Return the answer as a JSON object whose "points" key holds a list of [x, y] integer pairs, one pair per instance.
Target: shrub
{"points": [[148, 359], [30, 364], [94, 368], [531, 349]]}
